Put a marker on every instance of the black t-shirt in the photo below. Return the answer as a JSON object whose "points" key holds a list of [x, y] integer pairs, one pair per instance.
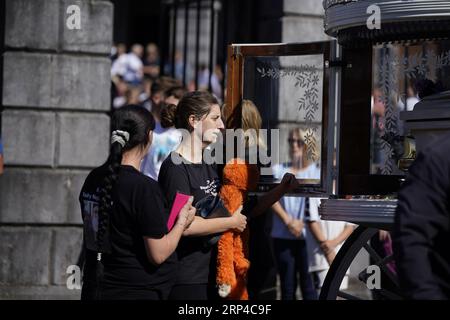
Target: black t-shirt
{"points": [[198, 180], [138, 210]]}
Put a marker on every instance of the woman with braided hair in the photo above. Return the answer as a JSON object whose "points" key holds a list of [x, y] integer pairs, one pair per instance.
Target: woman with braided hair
{"points": [[130, 254]]}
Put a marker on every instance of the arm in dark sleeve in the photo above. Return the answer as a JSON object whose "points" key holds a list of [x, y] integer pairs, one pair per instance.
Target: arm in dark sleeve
{"points": [[422, 214]]}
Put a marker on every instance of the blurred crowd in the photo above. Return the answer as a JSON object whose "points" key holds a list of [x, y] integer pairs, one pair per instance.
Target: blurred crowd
{"points": [[134, 71]]}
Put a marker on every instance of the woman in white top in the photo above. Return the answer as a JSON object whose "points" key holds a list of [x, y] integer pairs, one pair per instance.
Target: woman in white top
{"points": [[287, 228], [324, 241]]}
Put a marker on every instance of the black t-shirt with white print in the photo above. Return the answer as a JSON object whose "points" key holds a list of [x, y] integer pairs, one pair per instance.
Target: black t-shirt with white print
{"points": [[138, 210], [198, 180]]}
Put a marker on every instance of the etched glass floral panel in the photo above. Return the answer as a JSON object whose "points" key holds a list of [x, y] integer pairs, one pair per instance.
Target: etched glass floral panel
{"points": [[403, 74], [288, 93]]}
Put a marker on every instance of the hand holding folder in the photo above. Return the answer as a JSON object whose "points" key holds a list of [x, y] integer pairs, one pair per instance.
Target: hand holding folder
{"points": [[178, 204]]}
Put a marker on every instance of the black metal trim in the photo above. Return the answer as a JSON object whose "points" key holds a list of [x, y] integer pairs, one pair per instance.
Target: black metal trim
{"points": [[197, 43], [186, 34], [2, 51], [174, 37], [211, 43], [399, 19], [163, 39], [406, 31]]}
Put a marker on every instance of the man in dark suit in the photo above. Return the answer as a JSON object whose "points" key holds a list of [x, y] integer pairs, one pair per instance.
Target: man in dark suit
{"points": [[421, 236]]}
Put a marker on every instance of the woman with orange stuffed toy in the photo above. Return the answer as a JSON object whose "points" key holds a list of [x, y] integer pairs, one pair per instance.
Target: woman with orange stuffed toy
{"points": [[186, 171]]}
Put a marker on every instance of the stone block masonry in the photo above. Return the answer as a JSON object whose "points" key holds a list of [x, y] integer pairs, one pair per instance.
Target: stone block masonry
{"points": [[55, 129]]}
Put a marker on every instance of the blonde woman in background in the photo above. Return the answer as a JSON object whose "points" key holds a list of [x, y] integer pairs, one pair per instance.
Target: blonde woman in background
{"points": [[262, 272], [253, 143], [288, 232]]}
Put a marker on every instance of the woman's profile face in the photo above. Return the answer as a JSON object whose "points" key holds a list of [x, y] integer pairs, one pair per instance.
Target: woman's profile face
{"points": [[211, 125]]}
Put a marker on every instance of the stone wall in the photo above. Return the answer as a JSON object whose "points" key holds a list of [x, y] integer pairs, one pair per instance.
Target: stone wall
{"points": [[56, 95]]}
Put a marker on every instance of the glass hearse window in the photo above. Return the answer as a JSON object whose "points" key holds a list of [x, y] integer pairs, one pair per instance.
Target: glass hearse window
{"points": [[288, 91], [289, 85], [402, 74]]}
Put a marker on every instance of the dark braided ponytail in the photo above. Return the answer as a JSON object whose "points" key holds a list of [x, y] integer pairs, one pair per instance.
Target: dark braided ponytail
{"points": [[131, 126]]}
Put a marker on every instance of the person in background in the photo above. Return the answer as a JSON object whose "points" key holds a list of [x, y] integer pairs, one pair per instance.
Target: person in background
{"points": [[205, 77], [132, 95], [151, 61], [119, 97], [288, 224], [166, 137], [117, 51], [262, 273], [174, 94], [324, 240], [129, 66], [179, 69], [421, 233]]}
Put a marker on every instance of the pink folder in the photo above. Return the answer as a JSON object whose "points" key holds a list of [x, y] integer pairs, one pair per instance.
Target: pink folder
{"points": [[178, 204]]}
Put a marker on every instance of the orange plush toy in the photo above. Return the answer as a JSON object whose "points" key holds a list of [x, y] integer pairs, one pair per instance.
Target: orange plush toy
{"points": [[232, 259]]}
